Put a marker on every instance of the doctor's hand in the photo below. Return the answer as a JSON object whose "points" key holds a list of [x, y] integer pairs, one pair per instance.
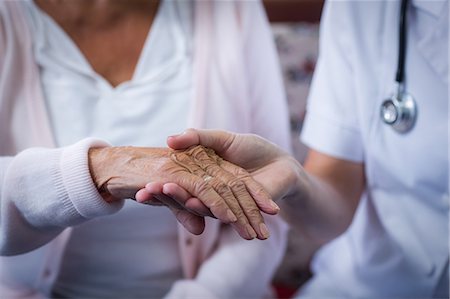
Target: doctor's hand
{"points": [[119, 172], [276, 170], [319, 200]]}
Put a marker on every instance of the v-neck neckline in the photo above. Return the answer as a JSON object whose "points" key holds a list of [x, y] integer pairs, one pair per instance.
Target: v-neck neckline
{"points": [[82, 65]]}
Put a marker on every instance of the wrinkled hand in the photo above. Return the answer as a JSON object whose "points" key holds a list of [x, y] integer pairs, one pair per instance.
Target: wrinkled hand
{"points": [[268, 164], [119, 172]]}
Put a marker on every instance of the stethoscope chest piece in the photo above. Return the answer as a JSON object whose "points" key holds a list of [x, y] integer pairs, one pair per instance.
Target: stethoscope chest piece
{"points": [[400, 112]]}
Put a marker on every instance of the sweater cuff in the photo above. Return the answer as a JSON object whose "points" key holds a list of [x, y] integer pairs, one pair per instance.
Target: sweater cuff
{"points": [[82, 194]]}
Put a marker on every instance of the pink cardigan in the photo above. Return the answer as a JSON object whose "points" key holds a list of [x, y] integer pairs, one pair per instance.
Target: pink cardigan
{"points": [[237, 87]]}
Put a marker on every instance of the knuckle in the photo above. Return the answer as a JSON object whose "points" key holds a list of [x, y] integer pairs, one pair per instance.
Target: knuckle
{"points": [[212, 169], [202, 187], [179, 156], [239, 172], [254, 212], [242, 173], [218, 208], [222, 189], [261, 192], [240, 215], [238, 185]]}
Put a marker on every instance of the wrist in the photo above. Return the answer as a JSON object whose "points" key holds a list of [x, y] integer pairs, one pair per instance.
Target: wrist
{"points": [[297, 180], [100, 160], [82, 194]]}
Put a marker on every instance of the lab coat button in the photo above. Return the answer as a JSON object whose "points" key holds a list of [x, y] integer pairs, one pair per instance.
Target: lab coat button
{"points": [[189, 241]]}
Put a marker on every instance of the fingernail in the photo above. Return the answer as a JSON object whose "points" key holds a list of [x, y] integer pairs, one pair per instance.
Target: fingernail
{"points": [[177, 135], [251, 232], [264, 231], [231, 216], [275, 206]]}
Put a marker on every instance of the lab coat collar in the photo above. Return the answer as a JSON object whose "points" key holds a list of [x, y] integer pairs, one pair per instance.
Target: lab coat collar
{"points": [[437, 36], [432, 7]]}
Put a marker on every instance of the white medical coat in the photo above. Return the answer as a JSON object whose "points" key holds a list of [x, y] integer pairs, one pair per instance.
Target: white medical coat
{"points": [[398, 242]]}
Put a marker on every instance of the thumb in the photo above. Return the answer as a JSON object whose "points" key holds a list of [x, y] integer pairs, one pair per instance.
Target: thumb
{"points": [[218, 140]]}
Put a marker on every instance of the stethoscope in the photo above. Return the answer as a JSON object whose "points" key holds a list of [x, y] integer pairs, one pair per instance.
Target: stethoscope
{"points": [[400, 110]]}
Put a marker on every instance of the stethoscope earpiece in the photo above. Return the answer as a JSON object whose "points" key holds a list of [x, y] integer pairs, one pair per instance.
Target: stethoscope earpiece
{"points": [[400, 112]]}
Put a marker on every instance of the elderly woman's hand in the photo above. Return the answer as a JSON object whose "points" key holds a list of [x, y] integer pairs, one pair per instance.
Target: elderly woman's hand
{"points": [[119, 172]]}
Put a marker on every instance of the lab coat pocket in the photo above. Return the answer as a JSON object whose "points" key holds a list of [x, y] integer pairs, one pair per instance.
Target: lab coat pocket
{"points": [[411, 230]]}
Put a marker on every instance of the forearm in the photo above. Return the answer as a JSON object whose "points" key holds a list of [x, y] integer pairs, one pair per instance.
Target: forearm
{"points": [[316, 207], [44, 191]]}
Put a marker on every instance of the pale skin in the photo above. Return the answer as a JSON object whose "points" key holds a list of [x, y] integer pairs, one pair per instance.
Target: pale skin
{"points": [[111, 34], [319, 198]]}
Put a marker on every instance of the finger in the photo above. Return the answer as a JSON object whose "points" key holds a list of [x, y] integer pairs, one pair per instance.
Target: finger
{"points": [[169, 202], [210, 198], [242, 203], [194, 183], [193, 223], [183, 197], [147, 196], [168, 193], [242, 225], [147, 193], [247, 204], [155, 189], [142, 196], [235, 193], [261, 196], [191, 159]]}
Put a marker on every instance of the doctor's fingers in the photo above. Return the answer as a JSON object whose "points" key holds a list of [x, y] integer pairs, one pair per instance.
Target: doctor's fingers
{"points": [[171, 195], [197, 156], [183, 197], [147, 194], [194, 205], [153, 195], [193, 223]]}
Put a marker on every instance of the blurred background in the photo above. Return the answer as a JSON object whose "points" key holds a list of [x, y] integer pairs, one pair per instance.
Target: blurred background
{"points": [[295, 26]]}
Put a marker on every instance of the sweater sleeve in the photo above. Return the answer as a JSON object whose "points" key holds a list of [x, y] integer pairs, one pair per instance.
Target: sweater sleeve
{"points": [[43, 191]]}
